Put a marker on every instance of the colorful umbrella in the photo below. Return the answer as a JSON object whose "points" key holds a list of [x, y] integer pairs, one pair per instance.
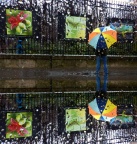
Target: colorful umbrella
{"points": [[102, 37], [102, 109]]}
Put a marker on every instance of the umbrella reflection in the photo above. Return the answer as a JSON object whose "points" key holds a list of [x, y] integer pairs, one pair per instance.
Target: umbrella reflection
{"points": [[102, 108]]}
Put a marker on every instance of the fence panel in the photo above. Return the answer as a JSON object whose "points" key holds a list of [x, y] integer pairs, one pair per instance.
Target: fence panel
{"points": [[50, 34]]}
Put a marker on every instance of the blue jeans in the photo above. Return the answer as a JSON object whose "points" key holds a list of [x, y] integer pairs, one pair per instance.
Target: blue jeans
{"points": [[98, 83], [98, 63]]}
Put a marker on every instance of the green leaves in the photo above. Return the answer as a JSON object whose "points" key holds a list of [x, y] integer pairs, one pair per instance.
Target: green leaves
{"points": [[22, 26], [28, 23], [22, 121], [18, 117], [18, 30], [28, 124]]}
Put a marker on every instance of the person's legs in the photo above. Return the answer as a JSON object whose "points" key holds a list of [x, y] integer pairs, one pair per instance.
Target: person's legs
{"points": [[98, 86], [98, 58], [98, 82], [104, 59], [104, 88]]}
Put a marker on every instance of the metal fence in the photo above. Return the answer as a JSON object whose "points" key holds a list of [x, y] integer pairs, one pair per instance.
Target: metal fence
{"points": [[49, 31], [51, 109], [79, 99]]}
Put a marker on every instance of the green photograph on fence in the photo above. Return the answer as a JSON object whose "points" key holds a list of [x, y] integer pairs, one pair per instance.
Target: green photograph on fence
{"points": [[19, 124], [18, 22], [75, 27], [75, 120]]}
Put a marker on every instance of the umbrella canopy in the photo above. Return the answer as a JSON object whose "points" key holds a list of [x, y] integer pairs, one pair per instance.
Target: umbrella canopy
{"points": [[102, 109], [102, 37]]}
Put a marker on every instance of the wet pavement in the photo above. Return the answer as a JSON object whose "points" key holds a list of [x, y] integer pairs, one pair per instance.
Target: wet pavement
{"points": [[118, 74], [34, 79]]}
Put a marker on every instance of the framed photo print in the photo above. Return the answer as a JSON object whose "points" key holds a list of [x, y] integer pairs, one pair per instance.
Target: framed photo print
{"points": [[18, 124], [74, 27], [124, 28], [18, 22], [75, 120]]}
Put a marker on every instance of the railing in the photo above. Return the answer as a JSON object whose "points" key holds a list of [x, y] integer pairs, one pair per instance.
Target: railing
{"points": [[49, 27], [79, 99]]}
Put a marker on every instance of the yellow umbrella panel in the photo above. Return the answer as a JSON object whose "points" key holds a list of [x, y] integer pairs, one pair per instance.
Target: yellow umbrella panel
{"points": [[110, 37], [110, 109]]}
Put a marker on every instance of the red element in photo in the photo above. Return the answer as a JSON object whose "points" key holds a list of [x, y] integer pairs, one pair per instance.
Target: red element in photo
{"points": [[15, 127], [15, 20]]}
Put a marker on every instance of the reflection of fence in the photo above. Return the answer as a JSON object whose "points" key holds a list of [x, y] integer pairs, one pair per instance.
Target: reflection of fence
{"points": [[78, 99], [54, 104], [49, 32]]}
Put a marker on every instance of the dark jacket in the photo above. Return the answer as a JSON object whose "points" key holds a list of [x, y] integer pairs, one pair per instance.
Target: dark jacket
{"points": [[101, 52]]}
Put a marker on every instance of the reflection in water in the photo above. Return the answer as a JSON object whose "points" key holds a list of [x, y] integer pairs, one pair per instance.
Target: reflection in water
{"points": [[49, 117], [64, 92], [101, 90], [43, 80], [101, 108]]}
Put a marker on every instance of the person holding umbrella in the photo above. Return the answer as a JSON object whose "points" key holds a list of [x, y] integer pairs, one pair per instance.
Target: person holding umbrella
{"points": [[101, 55], [101, 39]]}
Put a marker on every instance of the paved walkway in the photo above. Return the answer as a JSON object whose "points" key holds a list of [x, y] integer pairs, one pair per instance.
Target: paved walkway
{"points": [[118, 73], [31, 79]]}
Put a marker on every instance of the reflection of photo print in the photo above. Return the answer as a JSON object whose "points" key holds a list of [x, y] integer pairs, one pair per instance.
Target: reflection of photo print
{"points": [[18, 22], [126, 109], [75, 27], [19, 125], [75, 120], [124, 119]]}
